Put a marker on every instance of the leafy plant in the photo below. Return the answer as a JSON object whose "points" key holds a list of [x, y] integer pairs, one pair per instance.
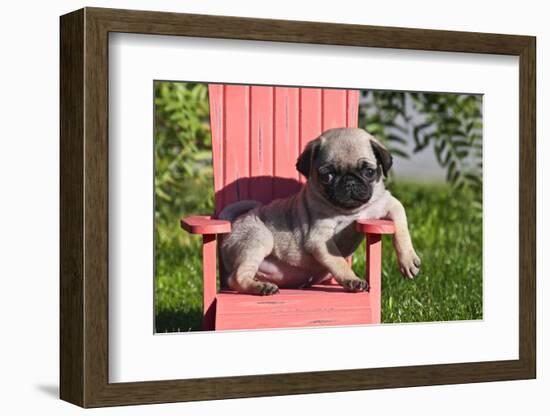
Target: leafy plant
{"points": [[183, 154], [451, 124]]}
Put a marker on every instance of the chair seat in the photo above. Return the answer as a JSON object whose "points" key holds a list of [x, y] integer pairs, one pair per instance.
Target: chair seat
{"points": [[320, 305]]}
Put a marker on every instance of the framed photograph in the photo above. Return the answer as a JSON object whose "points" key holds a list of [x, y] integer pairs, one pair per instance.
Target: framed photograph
{"points": [[254, 207]]}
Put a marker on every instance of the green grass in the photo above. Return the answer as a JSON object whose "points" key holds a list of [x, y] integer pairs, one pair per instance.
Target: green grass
{"points": [[446, 232]]}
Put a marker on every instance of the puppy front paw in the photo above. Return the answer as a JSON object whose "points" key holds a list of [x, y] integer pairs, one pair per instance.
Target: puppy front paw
{"points": [[355, 285], [266, 288], [409, 264]]}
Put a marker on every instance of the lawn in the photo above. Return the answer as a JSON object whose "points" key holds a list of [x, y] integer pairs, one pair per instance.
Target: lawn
{"points": [[446, 232]]}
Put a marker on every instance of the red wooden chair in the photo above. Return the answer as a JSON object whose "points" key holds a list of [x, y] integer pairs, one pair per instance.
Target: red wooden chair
{"points": [[257, 135]]}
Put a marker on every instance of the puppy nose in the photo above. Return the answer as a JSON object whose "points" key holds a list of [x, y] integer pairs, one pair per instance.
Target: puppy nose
{"points": [[349, 183]]}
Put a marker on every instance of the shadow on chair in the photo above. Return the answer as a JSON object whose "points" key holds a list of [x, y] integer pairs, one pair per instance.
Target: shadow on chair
{"points": [[259, 188]]}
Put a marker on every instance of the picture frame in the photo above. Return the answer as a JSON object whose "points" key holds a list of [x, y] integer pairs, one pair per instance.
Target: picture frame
{"points": [[84, 170]]}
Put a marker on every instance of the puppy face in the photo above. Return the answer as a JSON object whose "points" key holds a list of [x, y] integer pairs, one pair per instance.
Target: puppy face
{"points": [[346, 165]]}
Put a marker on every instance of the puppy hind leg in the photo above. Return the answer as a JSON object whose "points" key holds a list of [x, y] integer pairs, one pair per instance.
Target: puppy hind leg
{"points": [[244, 278]]}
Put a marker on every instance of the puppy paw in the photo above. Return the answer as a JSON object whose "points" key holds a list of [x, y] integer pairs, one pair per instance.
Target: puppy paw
{"points": [[409, 264], [355, 285], [266, 288]]}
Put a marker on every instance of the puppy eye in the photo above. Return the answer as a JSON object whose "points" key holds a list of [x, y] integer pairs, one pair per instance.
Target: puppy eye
{"points": [[369, 172], [327, 177]]}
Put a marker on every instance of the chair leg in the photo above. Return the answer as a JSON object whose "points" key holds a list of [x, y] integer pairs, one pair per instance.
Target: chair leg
{"points": [[209, 281], [374, 274]]}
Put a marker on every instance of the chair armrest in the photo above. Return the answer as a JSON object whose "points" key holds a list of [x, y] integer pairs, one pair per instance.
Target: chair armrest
{"points": [[375, 226], [203, 224]]}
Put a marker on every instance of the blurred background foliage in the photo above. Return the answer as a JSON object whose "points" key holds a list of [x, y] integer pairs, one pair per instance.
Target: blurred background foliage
{"points": [[450, 125], [183, 153], [444, 216]]}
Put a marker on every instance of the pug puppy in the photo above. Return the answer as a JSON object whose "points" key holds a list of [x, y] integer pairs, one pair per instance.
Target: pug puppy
{"points": [[304, 239]]}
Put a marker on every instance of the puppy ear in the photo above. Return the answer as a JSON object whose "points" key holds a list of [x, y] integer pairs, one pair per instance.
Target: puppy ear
{"points": [[308, 156], [383, 156]]}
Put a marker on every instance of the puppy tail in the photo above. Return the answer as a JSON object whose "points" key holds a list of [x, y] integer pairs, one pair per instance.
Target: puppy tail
{"points": [[232, 211]]}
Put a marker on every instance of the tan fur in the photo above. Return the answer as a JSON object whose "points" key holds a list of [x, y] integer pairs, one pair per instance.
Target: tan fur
{"points": [[304, 239]]}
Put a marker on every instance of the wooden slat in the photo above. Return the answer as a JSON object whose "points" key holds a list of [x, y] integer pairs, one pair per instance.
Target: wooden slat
{"points": [[236, 143], [352, 109], [310, 117], [217, 112], [324, 305], [287, 300], [336, 317], [334, 108], [286, 139], [261, 143]]}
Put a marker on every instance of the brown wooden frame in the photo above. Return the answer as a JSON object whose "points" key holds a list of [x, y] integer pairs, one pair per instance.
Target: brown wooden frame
{"points": [[84, 207]]}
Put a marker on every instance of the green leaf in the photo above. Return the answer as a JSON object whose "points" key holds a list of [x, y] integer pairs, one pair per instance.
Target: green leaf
{"points": [[399, 152], [451, 170], [395, 138]]}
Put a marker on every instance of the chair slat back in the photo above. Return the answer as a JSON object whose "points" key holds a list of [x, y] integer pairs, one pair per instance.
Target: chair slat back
{"points": [[258, 133]]}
